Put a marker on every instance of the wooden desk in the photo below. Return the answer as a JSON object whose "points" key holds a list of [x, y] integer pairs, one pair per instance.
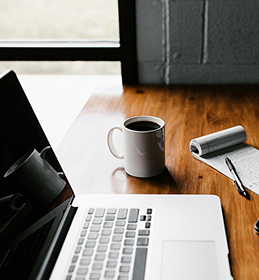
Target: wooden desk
{"points": [[189, 112]]}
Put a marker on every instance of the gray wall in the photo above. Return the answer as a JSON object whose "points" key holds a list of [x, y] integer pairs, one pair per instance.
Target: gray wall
{"points": [[197, 42]]}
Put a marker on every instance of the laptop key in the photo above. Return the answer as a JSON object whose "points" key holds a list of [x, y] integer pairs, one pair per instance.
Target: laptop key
{"points": [[130, 234], [127, 251], [86, 225], [117, 238], [143, 232], [97, 266], [111, 211], [131, 227], [109, 274], [83, 233], [102, 248], [140, 264], [87, 252], [106, 232], [112, 264], [147, 225], [88, 218], [82, 271], [113, 255], [126, 259], [108, 225], [85, 261], [95, 228], [80, 241], [118, 230], [93, 236], [99, 257], [109, 218], [124, 268], [90, 244], [120, 223], [95, 276], [123, 277], [142, 241], [129, 242], [133, 215], [78, 250], [99, 212], [97, 221], [104, 240], [122, 214], [115, 246]]}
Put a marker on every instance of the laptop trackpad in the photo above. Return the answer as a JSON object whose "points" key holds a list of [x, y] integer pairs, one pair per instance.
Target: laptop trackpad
{"points": [[187, 260]]}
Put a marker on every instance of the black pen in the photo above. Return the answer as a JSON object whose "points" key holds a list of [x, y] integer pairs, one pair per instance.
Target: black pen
{"points": [[239, 185]]}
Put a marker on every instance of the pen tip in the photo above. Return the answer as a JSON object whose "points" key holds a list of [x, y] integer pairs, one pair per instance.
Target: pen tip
{"points": [[246, 195]]}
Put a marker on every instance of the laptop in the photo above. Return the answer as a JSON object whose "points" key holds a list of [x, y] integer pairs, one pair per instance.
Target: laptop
{"points": [[93, 236]]}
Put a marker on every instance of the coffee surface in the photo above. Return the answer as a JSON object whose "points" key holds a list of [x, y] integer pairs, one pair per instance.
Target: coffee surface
{"points": [[143, 126]]}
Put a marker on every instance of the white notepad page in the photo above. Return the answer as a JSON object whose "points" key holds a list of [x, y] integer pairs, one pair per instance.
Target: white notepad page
{"points": [[214, 148]]}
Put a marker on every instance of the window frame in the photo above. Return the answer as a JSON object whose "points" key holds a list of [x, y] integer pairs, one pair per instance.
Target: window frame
{"points": [[123, 50]]}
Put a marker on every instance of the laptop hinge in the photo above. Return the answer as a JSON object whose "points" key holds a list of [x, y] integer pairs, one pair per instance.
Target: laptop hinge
{"points": [[57, 243]]}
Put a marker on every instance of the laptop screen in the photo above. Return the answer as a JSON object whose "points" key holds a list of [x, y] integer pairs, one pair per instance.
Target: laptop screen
{"points": [[20, 133]]}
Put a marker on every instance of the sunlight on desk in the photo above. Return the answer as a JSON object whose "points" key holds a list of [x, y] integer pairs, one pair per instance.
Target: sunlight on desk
{"points": [[58, 99]]}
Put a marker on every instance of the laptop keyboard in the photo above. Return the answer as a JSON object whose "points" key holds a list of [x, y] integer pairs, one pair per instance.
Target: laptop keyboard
{"points": [[112, 244]]}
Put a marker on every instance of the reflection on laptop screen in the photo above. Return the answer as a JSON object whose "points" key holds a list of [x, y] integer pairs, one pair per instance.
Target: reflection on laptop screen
{"points": [[20, 133]]}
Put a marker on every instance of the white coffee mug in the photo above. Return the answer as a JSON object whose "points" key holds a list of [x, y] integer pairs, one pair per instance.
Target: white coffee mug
{"points": [[144, 145]]}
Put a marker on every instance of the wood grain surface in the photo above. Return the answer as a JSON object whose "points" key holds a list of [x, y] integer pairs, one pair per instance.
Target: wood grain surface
{"points": [[189, 112]]}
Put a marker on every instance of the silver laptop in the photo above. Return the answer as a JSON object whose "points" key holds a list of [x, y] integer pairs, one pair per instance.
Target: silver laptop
{"points": [[121, 237]]}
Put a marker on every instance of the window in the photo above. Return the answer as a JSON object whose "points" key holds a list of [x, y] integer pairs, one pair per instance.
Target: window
{"points": [[59, 19], [60, 31]]}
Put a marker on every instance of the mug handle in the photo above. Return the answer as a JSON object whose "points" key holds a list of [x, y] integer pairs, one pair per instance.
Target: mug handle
{"points": [[44, 152], [43, 155], [111, 146]]}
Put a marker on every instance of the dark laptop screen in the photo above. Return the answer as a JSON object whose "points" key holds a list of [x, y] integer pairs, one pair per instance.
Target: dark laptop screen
{"points": [[20, 133], [20, 130]]}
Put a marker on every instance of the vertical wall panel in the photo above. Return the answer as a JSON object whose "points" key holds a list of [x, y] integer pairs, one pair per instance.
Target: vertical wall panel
{"points": [[186, 32], [149, 41]]}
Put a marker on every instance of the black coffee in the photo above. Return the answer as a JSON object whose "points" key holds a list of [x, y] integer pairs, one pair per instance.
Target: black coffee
{"points": [[143, 126]]}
